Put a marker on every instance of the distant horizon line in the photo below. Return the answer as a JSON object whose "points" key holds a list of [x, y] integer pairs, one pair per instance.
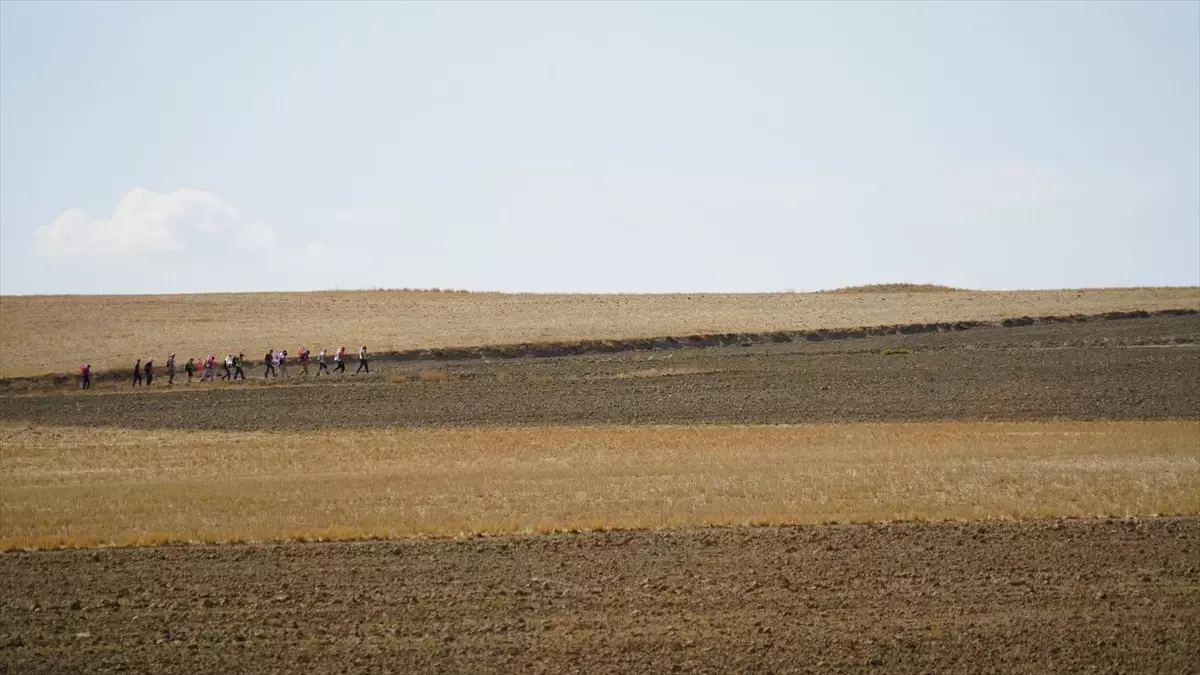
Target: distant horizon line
{"points": [[898, 287]]}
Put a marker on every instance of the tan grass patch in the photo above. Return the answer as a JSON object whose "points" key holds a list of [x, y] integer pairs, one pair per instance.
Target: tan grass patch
{"points": [[653, 372], [84, 487], [59, 333]]}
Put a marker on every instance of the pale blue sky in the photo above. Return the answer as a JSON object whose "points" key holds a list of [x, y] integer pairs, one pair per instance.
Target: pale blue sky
{"points": [[674, 146]]}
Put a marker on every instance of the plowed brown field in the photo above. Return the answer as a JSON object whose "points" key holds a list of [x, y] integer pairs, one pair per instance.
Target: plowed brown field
{"points": [[1130, 369], [1033, 597]]}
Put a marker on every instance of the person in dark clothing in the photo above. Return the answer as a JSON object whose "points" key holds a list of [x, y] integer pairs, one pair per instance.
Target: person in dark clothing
{"points": [[238, 362], [137, 373], [149, 371], [270, 361], [85, 376]]}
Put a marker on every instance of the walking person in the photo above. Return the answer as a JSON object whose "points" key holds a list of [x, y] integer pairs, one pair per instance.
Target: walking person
{"points": [[238, 362], [171, 369], [282, 363], [149, 367], [362, 361], [137, 373], [321, 367], [85, 376], [339, 360], [228, 366], [269, 359], [210, 368], [190, 369], [304, 361]]}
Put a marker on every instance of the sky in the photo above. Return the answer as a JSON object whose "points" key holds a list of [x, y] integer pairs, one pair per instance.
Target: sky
{"points": [[597, 147]]}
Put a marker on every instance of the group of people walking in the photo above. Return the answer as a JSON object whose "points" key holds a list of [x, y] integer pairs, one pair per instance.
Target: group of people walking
{"points": [[276, 363]]}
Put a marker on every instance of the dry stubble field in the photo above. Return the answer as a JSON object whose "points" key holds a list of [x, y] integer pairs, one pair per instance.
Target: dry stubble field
{"points": [[55, 334], [1088, 419], [96, 487]]}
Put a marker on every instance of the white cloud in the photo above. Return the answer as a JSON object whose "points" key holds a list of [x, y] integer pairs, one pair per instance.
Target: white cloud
{"points": [[149, 222]]}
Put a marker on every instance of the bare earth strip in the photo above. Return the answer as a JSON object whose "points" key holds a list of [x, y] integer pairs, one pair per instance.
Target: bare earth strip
{"points": [[75, 487], [44, 334], [1089, 596]]}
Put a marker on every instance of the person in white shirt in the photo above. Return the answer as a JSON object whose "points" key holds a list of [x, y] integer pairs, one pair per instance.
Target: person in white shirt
{"points": [[228, 367], [321, 367], [362, 361], [339, 360]]}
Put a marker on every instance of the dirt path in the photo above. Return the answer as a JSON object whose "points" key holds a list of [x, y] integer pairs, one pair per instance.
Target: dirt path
{"points": [[1061, 596], [1140, 369]]}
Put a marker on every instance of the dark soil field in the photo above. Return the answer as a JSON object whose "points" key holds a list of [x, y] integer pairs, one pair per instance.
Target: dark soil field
{"points": [[1111, 596], [1127, 369]]}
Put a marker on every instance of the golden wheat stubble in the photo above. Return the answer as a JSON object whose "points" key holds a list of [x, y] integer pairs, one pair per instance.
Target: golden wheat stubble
{"points": [[64, 486]]}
